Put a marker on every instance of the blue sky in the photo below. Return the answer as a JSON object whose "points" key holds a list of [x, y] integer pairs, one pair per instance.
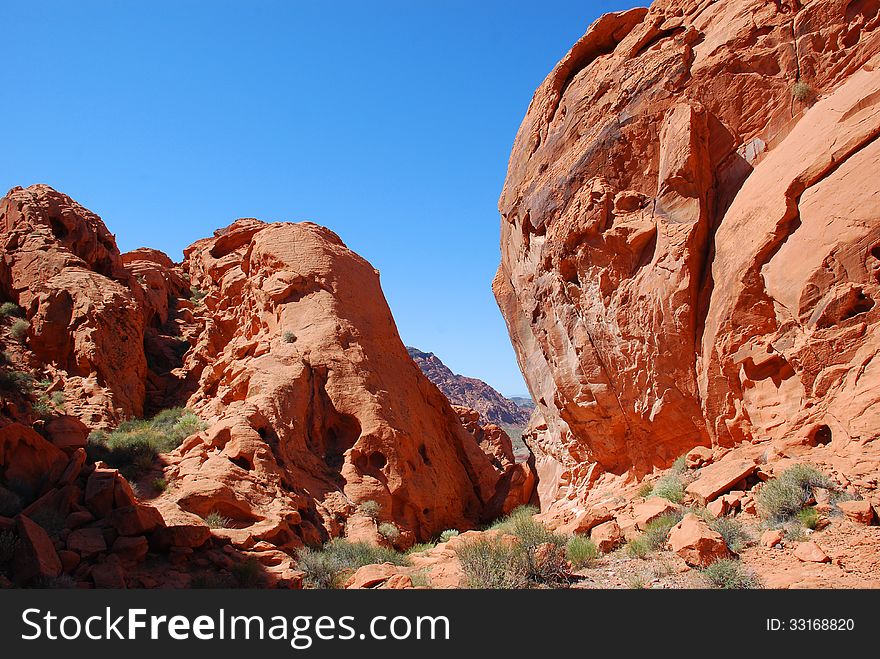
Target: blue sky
{"points": [[389, 122]]}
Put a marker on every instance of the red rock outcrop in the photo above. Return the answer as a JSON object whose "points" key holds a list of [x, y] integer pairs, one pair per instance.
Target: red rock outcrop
{"points": [[63, 267], [690, 240], [315, 406], [470, 392]]}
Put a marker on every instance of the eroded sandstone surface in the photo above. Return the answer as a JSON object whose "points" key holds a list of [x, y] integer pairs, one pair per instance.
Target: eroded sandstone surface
{"points": [[690, 241]]}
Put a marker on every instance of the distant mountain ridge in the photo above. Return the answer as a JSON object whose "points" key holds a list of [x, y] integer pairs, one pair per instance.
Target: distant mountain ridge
{"points": [[470, 392]]}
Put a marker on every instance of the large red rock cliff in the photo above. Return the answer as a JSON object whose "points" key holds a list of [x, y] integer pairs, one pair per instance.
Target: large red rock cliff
{"points": [[691, 239]]}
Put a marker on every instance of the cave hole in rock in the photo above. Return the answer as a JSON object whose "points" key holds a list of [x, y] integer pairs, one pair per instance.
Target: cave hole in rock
{"points": [[423, 452], [821, 436], [58, 228], [243, 462]]}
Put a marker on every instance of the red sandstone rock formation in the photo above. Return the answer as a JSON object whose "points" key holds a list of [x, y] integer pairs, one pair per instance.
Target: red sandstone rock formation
{"points": [[275, 333], [315, 405], [690, 239], [470, 392]]}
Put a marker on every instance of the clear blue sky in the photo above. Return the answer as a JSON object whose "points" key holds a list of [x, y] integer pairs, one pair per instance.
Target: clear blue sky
{"points": [[389, 122]]}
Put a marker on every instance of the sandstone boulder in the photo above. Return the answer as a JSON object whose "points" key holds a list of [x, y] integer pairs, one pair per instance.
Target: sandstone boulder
{"points": [[35, 556], [607, 536], [696, 543], [810, 552], [857, 511]]}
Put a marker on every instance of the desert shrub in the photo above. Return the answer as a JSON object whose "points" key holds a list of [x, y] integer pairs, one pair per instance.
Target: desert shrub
{"points": [[215, 520], [248, 573], [730, 574], [637, 548], [669, 487], [11, 309], [494, 564], [58, 398], [370, 509], [657, 531], [637, 581], [42, 408], [390, 532], [680, 465], [16, 382], [448, 534], [581, 551], [645, 489], [19, 329], [732, 530], [160, 483], [136, 443], [10, 503], [419, 547], [801, 91], [7, 546], [780, 499], [196, 295], [809, 517], [329, 566], [530, 532], [288, 337], [420, 579]]}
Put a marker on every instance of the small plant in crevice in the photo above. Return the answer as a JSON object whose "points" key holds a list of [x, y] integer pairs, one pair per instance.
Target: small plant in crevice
{"points": [[370, 508], [657, 531], [448, 534], [160, 483], [644, 490], [390, 532], [802, 92], [288, 337], [196, 295], [637, 548], [215, 520]]}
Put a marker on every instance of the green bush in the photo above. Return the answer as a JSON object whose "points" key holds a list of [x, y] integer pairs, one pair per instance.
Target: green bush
{"points": [[730, 574], [680, 465], [288, 337], [16, 382], [780, 499], [530, 532], [370, 509], [160, 483], [645, 490], [329, 566], [215, 520], [19, 329], [419, 547], [390, 532], [657, 531], [11, 309], [58, 399], [637, 548], [809, 517], [669, 487], [493, 564], [581, 551], [734, 533], [196, 295], [136, 443], [448, 534]]}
